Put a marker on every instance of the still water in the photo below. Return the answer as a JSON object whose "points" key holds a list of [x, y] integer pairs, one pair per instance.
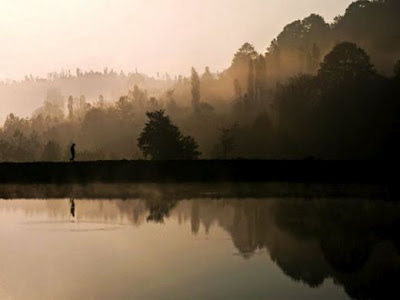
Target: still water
{"points": [[199, 249]]}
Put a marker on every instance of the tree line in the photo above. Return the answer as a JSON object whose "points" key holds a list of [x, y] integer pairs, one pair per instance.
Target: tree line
{"points": [[321, 90]]}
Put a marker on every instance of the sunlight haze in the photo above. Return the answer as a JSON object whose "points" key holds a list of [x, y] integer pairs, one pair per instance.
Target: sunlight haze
{"points": [[41, 36]]}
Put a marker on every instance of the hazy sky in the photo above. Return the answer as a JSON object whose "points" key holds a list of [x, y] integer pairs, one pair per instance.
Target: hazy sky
{"points": [[40, 36]]}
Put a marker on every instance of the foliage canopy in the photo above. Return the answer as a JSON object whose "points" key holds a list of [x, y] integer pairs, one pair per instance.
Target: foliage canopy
{"points": [[161, 140]]}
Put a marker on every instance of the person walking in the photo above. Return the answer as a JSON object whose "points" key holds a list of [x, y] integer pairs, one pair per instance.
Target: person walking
{"points": [[72, 159]]}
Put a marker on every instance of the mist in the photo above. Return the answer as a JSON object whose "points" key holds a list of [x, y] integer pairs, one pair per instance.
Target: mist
{"points": [[254, 93], [154, 36]]}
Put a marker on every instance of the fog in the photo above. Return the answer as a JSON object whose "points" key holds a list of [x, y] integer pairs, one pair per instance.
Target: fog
{"points": [[42, 36], [270, 80]]}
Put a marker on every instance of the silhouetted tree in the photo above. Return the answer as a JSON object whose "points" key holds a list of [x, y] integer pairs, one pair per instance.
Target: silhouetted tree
{"points": [[375, 26], [240, 64], [293, 46], [53, 106], [71, 108], [346, 63], [161, 140], [295, 102], [314, 59], [226, 141], [207, 76], [251, 81], [241, 58], [260, 76], [195, 82], [348, 110], [237, 89]]}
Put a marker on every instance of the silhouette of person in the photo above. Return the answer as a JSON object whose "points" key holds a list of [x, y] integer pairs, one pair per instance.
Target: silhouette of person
{"points": [[72, 153], [72, 210]]}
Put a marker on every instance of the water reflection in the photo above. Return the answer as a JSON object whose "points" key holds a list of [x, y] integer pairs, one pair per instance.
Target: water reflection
{"points": [[72, 210], [354, 242]]}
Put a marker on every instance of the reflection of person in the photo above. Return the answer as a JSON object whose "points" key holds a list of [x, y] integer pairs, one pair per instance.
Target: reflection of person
{"points": [[72, 153], [72, 202]]}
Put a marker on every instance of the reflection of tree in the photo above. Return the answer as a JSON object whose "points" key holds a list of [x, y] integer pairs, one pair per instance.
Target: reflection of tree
{"points": [[246, 236], [346, 232], [346, 252], [354, 242], [379, 279], [159, 209], [343, 242], [195, 217], [351, 241]]}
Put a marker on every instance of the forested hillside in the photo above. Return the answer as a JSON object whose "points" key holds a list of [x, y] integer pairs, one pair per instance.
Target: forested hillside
{"points": [[328, 91]]}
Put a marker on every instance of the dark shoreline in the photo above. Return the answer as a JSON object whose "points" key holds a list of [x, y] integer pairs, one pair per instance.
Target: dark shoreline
{"points": [[199, 179], [305, 171], [185, 191]]}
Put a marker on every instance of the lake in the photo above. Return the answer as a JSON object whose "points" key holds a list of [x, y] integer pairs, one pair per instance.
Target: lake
{"points": [[208, 247]]}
